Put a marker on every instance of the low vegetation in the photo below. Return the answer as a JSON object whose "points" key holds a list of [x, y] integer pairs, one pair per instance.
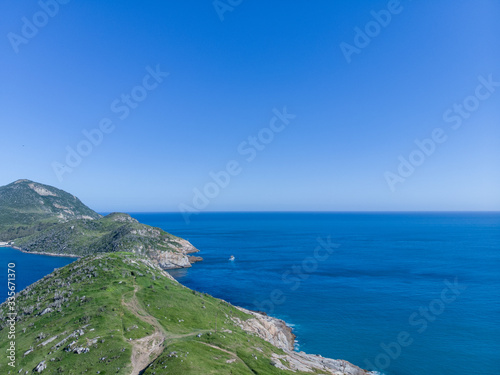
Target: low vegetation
{"points": [[40, 218]]}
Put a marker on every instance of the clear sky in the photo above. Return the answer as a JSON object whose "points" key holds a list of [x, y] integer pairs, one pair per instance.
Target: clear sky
{"points": [[360, 81]]}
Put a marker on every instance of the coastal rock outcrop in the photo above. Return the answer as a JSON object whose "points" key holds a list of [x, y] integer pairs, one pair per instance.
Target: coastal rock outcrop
{"points": [[270, 329], [276, 332], [170, 260], [300, 361], [173, 253]]}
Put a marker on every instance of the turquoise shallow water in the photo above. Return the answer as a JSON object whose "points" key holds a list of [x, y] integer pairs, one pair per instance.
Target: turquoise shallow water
{"points": [[383, 277], [386, 280]]}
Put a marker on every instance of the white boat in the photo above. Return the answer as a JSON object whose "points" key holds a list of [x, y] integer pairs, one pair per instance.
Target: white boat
{"points": [[232, 258]]}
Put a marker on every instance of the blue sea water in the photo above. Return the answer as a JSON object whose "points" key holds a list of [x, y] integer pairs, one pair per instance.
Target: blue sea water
{"points": [[29, 268], [402, 293], [384, 278]]}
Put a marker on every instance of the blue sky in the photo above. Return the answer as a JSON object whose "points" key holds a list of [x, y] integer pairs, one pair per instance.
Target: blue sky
{"points": [[340, 151]]}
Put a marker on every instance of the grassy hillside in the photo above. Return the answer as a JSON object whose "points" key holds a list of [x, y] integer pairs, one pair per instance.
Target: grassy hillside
{"points": [[115, 232], [118, 314]]}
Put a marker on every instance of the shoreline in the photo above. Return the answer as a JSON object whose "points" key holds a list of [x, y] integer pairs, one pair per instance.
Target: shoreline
{"points": [[4, 244], [281, 334]]}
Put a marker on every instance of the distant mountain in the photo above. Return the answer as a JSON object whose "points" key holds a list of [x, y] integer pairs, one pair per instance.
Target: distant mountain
{"points": [[42, 219], [121, 314], [24, 202]]}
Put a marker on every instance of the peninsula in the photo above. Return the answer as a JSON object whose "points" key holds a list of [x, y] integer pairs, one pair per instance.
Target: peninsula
{"points": [[117, 311]]}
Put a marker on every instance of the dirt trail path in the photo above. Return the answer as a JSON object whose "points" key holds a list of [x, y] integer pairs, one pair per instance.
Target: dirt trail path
{"points": [[145, 350]]}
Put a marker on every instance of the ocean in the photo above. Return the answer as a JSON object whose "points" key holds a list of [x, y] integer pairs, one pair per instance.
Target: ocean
{"points": [[401, 293], [28, 268]]}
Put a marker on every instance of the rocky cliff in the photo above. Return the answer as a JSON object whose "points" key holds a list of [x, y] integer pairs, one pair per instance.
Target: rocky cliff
{"points": [[276, 332]]}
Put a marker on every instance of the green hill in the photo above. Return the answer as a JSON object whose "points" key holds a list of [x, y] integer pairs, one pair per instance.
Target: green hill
{"points": [[121, 314], [25, 202], [42, 219]]}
